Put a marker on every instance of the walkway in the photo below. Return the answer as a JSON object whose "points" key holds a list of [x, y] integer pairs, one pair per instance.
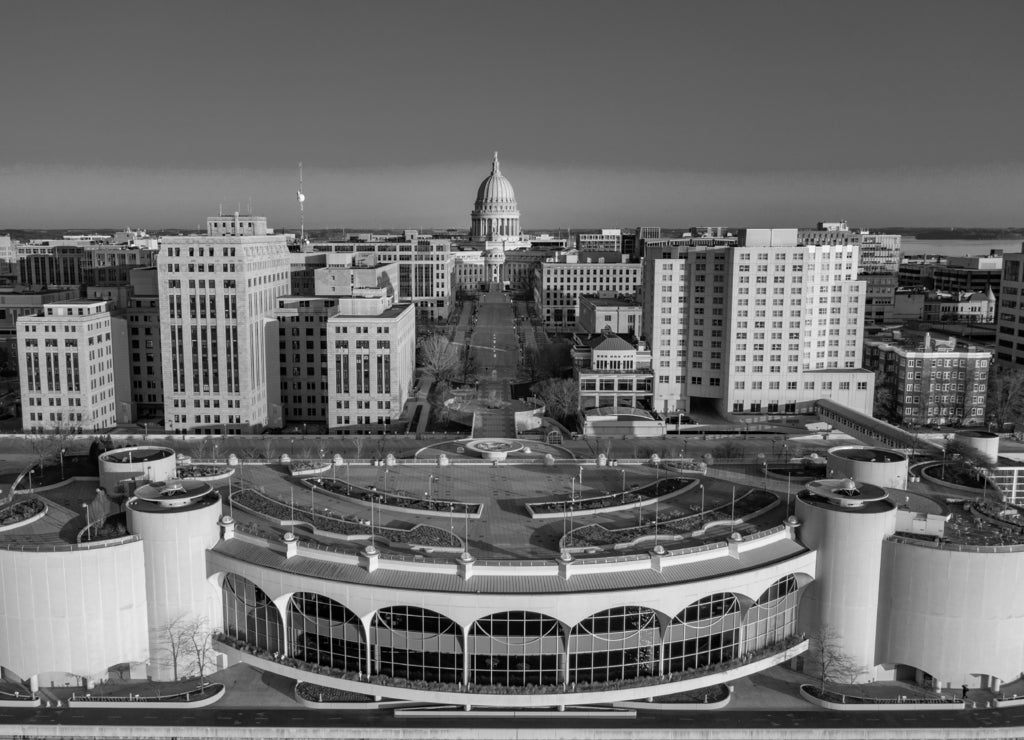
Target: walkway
{"points": [[496, 353]]}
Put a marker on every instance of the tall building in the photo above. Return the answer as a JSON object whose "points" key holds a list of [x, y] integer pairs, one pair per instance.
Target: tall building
{"points": [[424, 268], [932, 382], [607, 240], [764, 326], [495, 215], [218, 295], [1010, 314], [302, 344], [72, 371], [143, 316], [561, 280]]}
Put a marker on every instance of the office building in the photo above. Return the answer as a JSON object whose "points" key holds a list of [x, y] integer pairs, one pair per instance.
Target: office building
{"points": [[73, 376], [218, 294], [143, 316], [561, 280]]}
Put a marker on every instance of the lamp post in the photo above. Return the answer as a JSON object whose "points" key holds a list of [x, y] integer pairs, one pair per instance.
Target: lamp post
{"points": [[732, 513], [348, 476], [30, 486], [88, 523], [62, 451], [702, 503], [451, 520], [430, 485], [623, 471]]}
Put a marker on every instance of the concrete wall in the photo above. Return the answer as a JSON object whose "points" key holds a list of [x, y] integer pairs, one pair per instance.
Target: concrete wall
{"points": [[175, 543], [958, 616], [845, 594], [78, 611], [113, 473], [881, 471]]}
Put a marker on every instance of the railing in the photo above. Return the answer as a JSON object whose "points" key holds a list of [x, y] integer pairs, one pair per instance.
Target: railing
{"points": [[60, 547], [955, 547]]}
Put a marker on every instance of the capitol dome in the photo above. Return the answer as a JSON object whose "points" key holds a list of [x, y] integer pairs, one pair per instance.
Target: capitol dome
{"points": [[495, 213]]}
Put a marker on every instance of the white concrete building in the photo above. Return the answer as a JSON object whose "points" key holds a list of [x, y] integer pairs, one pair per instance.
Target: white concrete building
{"points": [[762, 327], [73, 373], [218, 294]]}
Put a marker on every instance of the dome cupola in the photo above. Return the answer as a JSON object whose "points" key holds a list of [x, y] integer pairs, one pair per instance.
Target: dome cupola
{"points": [[495, 215]]}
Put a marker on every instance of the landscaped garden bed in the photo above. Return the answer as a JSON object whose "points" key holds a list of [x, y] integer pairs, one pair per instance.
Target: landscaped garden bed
{"points": [[207, 473], [642, 495], [597, 535], [107, 529], [424, 504], [327, 695], [309, 467], [419, 536], [21, 512]]}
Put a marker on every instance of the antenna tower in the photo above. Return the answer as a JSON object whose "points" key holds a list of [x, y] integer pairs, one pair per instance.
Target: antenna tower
{"points": [[302, 211]]}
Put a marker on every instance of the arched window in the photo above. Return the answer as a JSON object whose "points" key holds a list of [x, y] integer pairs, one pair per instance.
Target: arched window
{"points": [[417, 644], [614, 644], [703, 633], [250, 615], [773, 618], [323, 631], [515, 649]]}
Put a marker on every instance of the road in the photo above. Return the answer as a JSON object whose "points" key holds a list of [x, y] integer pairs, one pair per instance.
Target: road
{"points": [[353, 724]]}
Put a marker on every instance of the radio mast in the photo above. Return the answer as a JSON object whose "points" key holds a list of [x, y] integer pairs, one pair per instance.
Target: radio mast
{"points": [[301, 197]]}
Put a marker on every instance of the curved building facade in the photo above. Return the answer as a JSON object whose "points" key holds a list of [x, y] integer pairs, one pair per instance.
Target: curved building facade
{"points": [[872, 465], [441, 625]]}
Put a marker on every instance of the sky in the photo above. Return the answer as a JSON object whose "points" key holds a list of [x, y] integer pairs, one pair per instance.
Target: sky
{"points": [[606, 114]]}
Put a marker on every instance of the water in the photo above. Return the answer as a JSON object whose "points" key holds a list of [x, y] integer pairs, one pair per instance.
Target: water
{"points": [[959, 247]]}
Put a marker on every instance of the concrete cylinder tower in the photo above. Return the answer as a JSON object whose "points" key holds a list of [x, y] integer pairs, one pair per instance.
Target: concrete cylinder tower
{"points": [[846, 523], [177, 521]]}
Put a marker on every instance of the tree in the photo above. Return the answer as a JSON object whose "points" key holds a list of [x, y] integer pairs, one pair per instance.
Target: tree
{"points": [[51, 445], [199, 648], [173, 639], [885, 396], [186, 647], [438, 356], [560, 396], [833, 664], [1005, 402], [469, 366]]}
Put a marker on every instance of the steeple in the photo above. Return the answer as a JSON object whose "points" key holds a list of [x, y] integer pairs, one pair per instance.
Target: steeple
{"points": [[495, 167]]}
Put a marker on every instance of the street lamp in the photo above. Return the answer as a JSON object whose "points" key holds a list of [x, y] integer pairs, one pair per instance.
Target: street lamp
{"points": [[30, 486], [701, 503], [62, 451], [88, 523]]}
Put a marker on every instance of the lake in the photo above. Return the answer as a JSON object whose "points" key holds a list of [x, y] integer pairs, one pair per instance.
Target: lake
{"points": [[959, 247]]}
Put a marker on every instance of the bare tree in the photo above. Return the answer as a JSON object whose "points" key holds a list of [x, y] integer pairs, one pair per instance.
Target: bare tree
{"points": [[173, 638], [560, 396], [51, 445], [833, 664], [199, 648], [1005, 402], [438, 356]]}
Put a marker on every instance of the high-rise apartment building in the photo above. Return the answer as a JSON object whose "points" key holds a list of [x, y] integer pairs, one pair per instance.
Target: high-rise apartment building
{"points": [[72, 372], [218, 296], [932, 382], [764, 326], [1010, 314]]}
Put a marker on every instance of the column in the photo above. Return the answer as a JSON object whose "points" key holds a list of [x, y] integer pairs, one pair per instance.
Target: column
{"points": [[281, 604], [465, 655]]}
